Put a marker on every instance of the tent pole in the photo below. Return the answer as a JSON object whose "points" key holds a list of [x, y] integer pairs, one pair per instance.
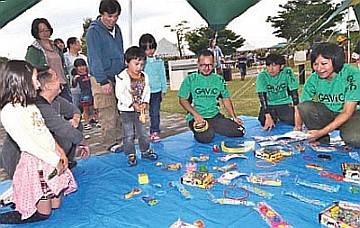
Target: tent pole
{"points": [[348, 35], [130, 23]]}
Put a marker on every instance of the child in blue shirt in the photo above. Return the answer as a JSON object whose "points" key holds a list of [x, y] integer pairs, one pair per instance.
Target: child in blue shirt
{"points": [[155, 69]]}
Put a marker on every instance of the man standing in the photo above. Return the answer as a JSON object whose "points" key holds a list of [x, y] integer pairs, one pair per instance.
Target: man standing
{"points": [[199, 95], [106, 59]]}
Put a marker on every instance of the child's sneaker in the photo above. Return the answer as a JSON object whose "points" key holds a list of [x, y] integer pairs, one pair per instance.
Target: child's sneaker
{"points": [[131, 160], [155, 137], [87, 127], [149, 154]]}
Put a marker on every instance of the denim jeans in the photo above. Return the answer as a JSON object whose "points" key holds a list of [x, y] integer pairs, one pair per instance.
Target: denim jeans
{"points": [[133, 127], [154, 112]]}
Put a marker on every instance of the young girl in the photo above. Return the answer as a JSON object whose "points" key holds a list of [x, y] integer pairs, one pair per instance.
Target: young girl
{"points": [[155, 69], [86, 98], [41, 175]]}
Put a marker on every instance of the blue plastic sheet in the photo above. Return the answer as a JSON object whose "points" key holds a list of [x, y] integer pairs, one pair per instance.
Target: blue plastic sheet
{"points": [[103, 181]]}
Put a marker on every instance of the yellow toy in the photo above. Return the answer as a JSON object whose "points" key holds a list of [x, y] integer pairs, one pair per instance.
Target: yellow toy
{"points": [[143, 178]]}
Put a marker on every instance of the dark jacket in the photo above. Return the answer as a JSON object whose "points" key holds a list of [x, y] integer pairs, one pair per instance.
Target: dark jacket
{"points": [[56, 116], [105, 52]]}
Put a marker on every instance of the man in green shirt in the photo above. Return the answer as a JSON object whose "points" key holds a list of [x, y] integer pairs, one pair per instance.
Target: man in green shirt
{"points": [[336, 88], [277, 87], [199, 95]]}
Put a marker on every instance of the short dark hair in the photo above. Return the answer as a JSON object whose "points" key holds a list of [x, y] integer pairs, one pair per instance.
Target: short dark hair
{"points": [[205, 52], [110, 7], [79, 62], [147, 41], [44, 75], [329, 51], [276, 59], [70, 40], [134, 52], [16, 84], [35, 27]]}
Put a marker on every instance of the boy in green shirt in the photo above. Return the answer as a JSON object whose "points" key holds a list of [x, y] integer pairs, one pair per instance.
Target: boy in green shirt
{"points": [[336, 88], [199, 95], [277, 88]]}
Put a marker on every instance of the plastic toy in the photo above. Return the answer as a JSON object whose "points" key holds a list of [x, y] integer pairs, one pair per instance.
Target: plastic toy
{"points": [[181, 189], [256, 191], [143, 178], [203, 169], [271, 155], [319, 186], [323, 148], [176, 166], [314, 166], [190, 167], [180, 224], [305, 199], [263, 181], [292, 136], [201, 127], [158, 164], [225, 168], [341, 214], [228, 157], [274, 174], [198, 179], [212, 198], [202, 158], [242, 147], [351, 171], [227, 177], [215, 148], [334, 176], [355, 155], [133, 192], [325, 157], [272, 218], [149, 200], [353, 189]]}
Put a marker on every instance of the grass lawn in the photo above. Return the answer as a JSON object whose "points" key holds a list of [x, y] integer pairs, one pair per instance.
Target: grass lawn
{"points": [[243, 96]]}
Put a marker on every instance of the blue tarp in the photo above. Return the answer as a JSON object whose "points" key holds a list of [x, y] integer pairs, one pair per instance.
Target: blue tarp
{"points": [[103, 181]]}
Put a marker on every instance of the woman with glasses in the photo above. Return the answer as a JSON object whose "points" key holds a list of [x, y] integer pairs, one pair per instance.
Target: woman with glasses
{"points": [[43, 52]]}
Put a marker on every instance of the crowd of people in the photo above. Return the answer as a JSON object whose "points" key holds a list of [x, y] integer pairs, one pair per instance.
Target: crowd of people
{"points": [[44, 98]]}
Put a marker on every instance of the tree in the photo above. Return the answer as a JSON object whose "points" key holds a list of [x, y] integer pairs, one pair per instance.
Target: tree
{"points": [[300, 18], [86, 26], [227, 40], [180, 30]]}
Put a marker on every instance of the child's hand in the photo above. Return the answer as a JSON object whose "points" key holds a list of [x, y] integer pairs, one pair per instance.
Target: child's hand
{"points": [[76, 77], [136, 107]]}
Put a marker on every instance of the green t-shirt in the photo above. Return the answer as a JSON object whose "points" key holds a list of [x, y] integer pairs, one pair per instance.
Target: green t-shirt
{"points": [[276, 87], [203, 92], [345, 86]]}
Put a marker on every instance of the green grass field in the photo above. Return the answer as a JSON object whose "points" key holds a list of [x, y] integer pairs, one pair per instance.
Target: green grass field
{"points": [[243, 96]]}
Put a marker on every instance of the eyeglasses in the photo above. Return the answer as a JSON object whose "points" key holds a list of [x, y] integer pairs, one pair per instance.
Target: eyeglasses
{"points": [[44, 31], [203, 65]]}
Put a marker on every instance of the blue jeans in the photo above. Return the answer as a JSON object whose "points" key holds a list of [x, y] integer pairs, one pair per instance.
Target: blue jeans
{"points": [[132, 127], [154, 112]]}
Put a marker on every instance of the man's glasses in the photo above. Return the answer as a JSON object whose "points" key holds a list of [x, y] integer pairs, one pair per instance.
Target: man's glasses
{"points": [[203, 65]]}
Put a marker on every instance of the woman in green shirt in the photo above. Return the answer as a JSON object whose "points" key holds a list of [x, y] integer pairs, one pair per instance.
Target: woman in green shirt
{"points": [[330, 98]]}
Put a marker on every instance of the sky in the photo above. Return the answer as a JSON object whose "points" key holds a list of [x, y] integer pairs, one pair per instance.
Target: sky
{"points": [[148, 16]]}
